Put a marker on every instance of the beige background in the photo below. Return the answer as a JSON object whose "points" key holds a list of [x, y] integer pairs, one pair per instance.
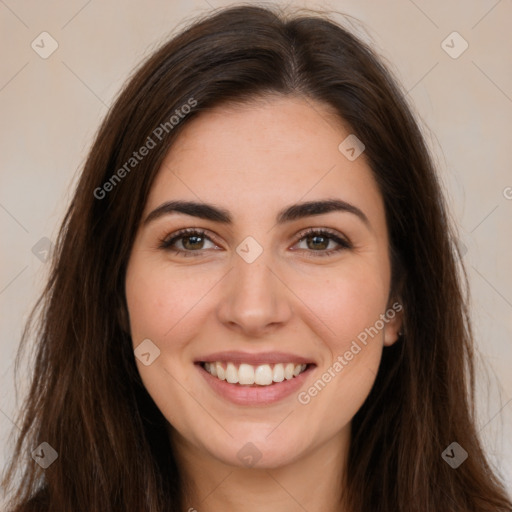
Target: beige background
{"points": [[50, 109]]}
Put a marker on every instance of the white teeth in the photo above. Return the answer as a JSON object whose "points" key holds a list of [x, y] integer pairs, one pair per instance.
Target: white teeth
{"points": [[278, 375], [220, 371], [297, 370], [247, 374], [231, 374], [288, 371], [263, 375]]}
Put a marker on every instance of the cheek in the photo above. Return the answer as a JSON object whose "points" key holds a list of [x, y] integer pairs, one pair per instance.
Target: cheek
{"points": [[161, 308], [350, 308], [157, 301], [349, 300], [346, 300]]}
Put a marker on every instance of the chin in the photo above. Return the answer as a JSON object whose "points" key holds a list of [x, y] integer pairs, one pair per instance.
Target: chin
{"points": [[251, 448]]}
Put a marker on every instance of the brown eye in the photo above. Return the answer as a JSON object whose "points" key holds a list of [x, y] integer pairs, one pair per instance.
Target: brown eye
{"points": [[186, 242], [191, 242], [317, 241]]}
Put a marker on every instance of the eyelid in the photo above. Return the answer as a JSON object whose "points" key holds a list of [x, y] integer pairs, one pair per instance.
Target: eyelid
{"points": [[316, 230], [181, 233], [343, 242]]}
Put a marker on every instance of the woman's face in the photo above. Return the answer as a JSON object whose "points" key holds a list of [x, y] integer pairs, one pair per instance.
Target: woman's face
{"points": [[254, 295]]}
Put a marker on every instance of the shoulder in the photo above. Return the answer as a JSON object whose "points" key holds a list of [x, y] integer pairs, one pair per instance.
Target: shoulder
{"points": [[38, 503], [30, 506]]}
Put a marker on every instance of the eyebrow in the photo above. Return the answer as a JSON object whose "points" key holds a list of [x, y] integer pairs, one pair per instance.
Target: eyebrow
{"points": [[288, 214]]}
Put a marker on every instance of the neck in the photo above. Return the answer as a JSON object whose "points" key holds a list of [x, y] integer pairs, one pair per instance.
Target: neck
{"points": [[313, 482]]}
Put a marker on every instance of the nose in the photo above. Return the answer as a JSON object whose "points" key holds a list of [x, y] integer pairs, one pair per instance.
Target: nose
{"points": [[254, 300]]}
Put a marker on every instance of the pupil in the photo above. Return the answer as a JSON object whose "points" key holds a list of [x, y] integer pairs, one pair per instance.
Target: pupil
{"points": [[317, 237], [192, 237]]}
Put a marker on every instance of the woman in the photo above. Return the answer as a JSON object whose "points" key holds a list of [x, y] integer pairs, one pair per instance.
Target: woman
{"points": [[255, 299]]}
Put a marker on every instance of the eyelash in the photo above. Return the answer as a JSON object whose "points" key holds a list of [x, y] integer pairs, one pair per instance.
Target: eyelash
{"points": [[166, 243]]}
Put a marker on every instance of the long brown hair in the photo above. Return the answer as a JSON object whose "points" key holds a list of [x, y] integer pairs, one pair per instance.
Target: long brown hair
{"points": [[86, 398]]}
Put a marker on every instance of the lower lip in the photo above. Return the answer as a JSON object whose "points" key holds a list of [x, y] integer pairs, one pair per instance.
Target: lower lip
{"points": [[255, 395]]}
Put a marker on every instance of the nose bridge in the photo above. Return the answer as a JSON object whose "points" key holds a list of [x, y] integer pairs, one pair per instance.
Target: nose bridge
{"points": [[253, 297]]}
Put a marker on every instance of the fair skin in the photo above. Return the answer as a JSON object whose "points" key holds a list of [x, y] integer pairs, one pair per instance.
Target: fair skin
{"points": [[254, 160]]}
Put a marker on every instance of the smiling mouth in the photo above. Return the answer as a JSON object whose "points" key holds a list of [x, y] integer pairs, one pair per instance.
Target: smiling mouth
{"points": [[254, 375]]}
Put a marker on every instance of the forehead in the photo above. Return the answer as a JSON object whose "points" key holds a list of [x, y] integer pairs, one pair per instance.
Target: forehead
{"points": [[264, 154]]}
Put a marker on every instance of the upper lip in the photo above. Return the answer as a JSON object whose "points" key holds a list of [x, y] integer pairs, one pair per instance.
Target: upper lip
{"points": [[253, 358]]}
